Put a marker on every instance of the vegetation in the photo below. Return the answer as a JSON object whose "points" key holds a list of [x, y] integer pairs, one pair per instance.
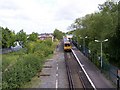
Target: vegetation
{"points": [[58, 34], [101, 25], [19, 67], [33, 37], [21, 37], [8, 37], [0, 37]]}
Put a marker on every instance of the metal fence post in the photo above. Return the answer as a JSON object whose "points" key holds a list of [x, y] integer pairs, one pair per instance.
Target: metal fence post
{"points": [[117, 82], [118, 74]]}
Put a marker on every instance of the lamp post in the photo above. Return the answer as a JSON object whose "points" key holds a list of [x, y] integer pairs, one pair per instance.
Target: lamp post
{"points": [[84, 43], [101, 50]]}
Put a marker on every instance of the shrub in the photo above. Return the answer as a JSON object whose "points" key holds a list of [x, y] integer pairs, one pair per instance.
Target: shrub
{"points": [[7, 60], [26, 65], [25, 68], [30, 46]]}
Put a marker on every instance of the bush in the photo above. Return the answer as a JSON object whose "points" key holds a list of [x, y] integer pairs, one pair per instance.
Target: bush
{"points": [[48, 42], [44, 48], [26, 65], [30, 47], [8, 59], [25, 68]]}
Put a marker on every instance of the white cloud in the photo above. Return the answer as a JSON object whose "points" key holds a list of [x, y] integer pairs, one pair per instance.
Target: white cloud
{"points": [[43, 15]]}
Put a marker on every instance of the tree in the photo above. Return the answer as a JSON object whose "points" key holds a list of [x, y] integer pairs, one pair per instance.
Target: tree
{"points": [[21, 37], [101, 25], [33, 36], [58, 34], [0, 37], [114, 41], [8, 37]]}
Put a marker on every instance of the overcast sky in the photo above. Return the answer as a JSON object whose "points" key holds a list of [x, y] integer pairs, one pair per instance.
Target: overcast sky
{"points": [[43, 16]]}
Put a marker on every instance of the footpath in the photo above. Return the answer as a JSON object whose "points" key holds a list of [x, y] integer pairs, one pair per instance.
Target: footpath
{"points": [[94, 73]]}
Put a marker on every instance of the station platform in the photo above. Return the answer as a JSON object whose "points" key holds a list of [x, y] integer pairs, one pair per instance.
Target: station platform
{"points": [[99, 80]]}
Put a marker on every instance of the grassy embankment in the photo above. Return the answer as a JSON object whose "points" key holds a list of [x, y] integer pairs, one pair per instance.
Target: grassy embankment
{"points": [[20, 67]]}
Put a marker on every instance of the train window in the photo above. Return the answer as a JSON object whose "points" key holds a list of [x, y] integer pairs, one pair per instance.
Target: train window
{"points": [[67, 45]]}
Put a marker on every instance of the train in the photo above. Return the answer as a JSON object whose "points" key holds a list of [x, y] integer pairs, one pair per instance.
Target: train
{"points": [[67, 44]]}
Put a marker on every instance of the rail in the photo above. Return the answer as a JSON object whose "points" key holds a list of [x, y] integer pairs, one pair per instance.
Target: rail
{"points": [[70, 80]]}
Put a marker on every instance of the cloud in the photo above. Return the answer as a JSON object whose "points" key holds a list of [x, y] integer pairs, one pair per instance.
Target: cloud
{"points": [[43, 15], [8, 5], [70, 9], [67, 13]]}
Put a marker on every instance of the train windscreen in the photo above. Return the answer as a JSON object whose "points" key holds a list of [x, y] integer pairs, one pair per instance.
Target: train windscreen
{"points": [[66, 45]]}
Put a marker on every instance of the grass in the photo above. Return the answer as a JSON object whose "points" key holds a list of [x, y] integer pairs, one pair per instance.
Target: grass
{"points": [[35, 81], [8, 60]]}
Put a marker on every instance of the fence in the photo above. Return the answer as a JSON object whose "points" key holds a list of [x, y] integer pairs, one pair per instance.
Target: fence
{"points": [[110, 71]]}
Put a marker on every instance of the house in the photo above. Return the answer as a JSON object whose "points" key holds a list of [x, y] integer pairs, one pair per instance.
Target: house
{"points": [[45, 36]]}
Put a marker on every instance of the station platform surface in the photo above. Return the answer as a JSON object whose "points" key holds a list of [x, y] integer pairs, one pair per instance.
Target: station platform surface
{"points": [[99, 80]]}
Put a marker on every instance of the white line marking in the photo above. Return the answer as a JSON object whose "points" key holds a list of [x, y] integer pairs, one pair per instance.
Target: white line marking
{"points": [[56, 75], [84, 70], [56, 84]]}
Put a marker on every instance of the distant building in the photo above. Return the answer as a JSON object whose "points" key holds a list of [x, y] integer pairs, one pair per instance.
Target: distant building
{"points": [[45, 36], [69, 36]]}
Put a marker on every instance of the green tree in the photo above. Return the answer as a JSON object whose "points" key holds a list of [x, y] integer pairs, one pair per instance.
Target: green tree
{"points": [[33, 36], [0, 37], [21, 37], [114, 41], [58, 34], [8, 38], [101, 25]]}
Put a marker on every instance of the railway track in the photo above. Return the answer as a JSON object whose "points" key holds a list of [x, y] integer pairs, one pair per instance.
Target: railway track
{"points": [[77, 77]]}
